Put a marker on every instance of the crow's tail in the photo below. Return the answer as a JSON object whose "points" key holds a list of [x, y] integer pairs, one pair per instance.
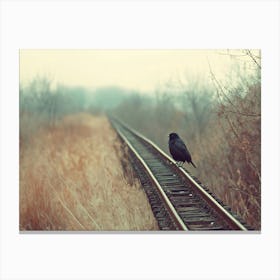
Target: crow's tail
{"points": [[193, 164]]}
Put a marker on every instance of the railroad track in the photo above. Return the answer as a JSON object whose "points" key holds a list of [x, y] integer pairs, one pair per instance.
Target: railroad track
{"points": [[178, 201]]}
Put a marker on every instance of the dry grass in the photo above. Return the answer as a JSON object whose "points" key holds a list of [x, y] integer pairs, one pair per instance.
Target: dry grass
{"points": [[71, 178]]}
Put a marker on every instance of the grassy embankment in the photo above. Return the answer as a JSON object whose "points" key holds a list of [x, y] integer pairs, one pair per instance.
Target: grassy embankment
{"points": [[71, 178]]}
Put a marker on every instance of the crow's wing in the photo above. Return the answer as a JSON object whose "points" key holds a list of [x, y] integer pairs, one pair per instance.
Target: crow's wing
{"points": [[181, 145], [182, 148]]}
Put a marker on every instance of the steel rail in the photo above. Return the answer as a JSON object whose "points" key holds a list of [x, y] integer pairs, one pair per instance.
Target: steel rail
{"points": [[231, 220], [176, 218]]}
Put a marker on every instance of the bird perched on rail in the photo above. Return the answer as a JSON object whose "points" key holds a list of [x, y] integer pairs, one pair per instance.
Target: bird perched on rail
{"points": [[178, 149]]}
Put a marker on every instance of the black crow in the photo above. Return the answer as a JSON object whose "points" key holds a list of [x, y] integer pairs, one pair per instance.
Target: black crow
{"points": [[178, 149]]}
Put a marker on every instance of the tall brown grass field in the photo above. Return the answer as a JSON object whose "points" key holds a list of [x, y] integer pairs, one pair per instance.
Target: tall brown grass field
{"points": [[71, 178]]}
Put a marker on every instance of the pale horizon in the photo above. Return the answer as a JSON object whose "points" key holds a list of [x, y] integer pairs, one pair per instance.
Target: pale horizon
{"points": [[140, 70]]}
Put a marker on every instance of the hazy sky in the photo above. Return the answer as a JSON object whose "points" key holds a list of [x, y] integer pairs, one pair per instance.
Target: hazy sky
{"points": [[143, 70]]}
